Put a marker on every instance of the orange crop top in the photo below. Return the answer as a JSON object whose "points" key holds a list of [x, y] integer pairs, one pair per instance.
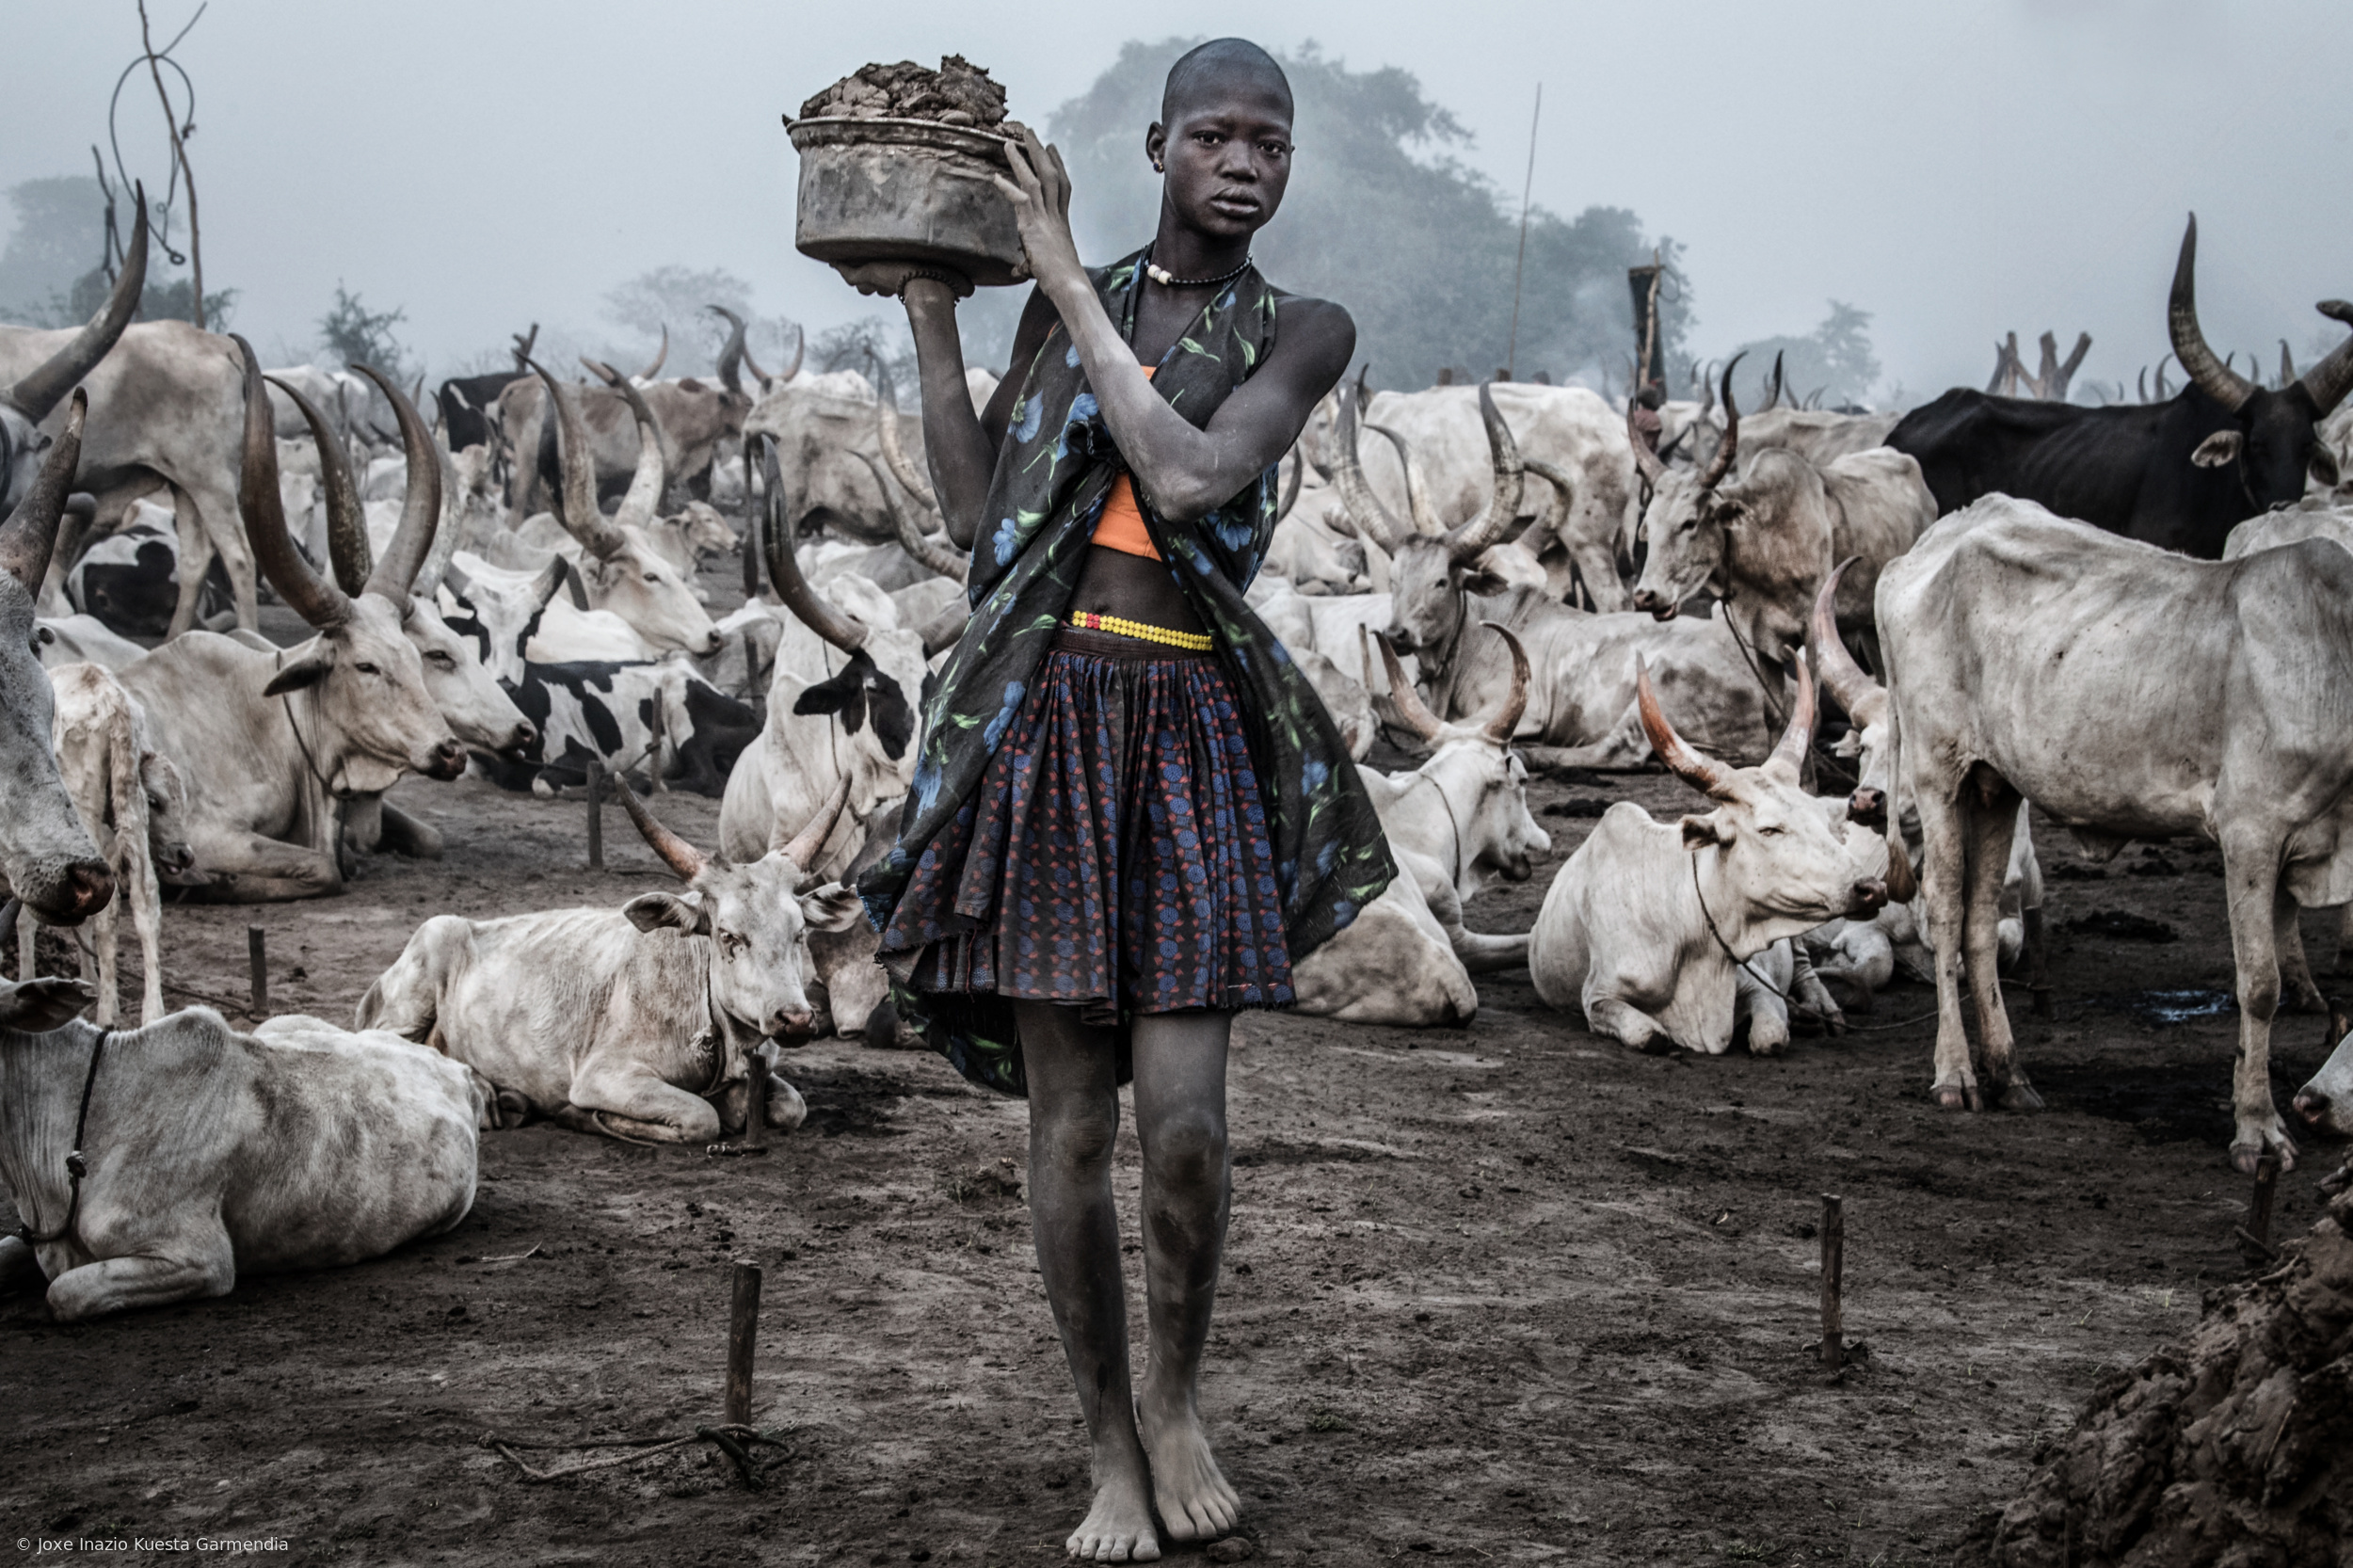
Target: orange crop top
{"points": [[1121, 526]]}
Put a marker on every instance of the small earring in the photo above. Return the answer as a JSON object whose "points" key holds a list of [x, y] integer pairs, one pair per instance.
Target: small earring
{"points": [[1157, 168]]}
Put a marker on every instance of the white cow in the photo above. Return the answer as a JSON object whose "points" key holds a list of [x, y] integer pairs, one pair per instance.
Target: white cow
{"points": [[629, 1021], [1645, 926], [2129, 693], [211, 1155]]}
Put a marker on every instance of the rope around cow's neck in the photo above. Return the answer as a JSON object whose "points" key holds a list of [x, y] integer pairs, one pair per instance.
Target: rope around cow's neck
{"points": [[278, 661], [1786, 999], [1453, 823], [77, 1165]]}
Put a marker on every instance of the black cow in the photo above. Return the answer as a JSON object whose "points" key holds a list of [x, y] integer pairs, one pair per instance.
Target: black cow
{"points": [[463, 400], [606, 711], [2180, 474]]}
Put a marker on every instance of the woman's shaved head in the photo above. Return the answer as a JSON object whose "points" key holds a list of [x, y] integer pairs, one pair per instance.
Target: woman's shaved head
{"points": [[1219, 70]]}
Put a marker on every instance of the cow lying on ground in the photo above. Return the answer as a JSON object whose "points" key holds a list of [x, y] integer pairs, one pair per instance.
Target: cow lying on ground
{"points": [[631, 1020], [211, 1154], [608, 710], [271, 741], [2129, 693], [1644, 926]]}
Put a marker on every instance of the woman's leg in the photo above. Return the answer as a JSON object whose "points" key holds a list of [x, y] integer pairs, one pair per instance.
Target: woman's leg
{"points": [[1074, 1120], [1180, 1120]]}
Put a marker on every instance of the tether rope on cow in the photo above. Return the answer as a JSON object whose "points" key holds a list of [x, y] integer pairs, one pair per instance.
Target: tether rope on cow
{"points": [[1786, 999], [77, 1164]]}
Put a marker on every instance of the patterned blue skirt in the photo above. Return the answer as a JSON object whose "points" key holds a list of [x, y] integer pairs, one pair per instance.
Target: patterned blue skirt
{"points": [[1115, 858]]}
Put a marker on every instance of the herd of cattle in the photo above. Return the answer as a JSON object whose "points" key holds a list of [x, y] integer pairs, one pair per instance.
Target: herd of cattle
{"points": [[2138, 618]]}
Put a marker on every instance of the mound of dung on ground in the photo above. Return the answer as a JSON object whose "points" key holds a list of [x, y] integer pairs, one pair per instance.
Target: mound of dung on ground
{"points": [[2234, 1448]]}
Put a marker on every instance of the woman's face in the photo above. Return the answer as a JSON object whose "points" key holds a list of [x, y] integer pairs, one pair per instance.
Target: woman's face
{"points": [[1227, 158]]}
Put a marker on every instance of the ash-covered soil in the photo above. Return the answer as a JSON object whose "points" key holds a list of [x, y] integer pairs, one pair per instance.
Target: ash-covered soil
{"points": [[1505, 1292]]}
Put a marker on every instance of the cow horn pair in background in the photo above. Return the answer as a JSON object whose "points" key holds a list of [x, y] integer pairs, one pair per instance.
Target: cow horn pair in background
{"points": [[1465, 543], [322, 603], [1653, 467], [1417, 715], [2325, 383], [807, 602]]}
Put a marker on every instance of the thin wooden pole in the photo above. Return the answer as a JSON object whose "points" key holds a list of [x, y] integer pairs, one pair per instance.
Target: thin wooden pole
{"points": [[257, 961], [658, 727], [756, 1069], [742, 1333], [1528, 187], [1834, 1265], [596, 815], [2255, 1235]]}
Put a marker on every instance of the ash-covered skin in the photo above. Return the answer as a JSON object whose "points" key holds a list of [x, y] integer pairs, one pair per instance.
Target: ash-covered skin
{"points": [[959, 93]]}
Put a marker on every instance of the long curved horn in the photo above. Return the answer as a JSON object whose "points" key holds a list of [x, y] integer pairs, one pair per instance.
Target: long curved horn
{"points": [[1364, 508], [932, 553], [1556, 511], [1466, 543], [421, 503], [1772, 394], [731, 352], [1685, 763], [1417, 487], [31, 531], [349, 554], [803, 847], [1863, 698], [945, 630], [677, 854], [578, 465], [2327, 382], [446, 534], [818, 612], [887, 435], [1290, 486], [1507, 718], [800, 346], [2215, 378], [660, 355], [1407, 701], [321, 603], [1789, 757], [1729, 448], [40, 388], [652, 473], [1646, 462]]}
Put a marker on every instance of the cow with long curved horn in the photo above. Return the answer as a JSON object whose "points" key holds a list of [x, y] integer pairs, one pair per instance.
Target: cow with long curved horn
{"points": [[30, 399], [2179, 473], [275, 743], [731, 353], [50, 863], [887, 437], [932, 551], [1364, 508], [621, 568]]}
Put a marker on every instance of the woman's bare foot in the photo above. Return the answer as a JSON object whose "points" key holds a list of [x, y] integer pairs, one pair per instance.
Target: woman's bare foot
{"points": [[1118, 1529], [1191, 1493]]}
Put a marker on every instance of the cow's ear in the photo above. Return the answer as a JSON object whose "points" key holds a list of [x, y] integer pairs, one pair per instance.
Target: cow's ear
{"points": [[654, 911], [309, 670], [832, 907], [1700, 832], [1486, 583], [2324, 467], [41, 1006], [2218, 450]]}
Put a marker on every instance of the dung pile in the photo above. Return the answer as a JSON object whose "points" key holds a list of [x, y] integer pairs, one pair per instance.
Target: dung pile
{"points": [[959, 93], [2234, 1448]]}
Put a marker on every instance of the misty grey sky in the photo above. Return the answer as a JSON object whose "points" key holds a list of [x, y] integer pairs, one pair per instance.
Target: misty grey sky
{"points": [[1959, 170]]}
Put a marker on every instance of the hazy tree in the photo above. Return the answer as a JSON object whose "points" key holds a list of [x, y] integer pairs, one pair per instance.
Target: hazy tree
{"points": [[677, 296], [353, 334], [52, 273], [1835, 359], [1384, 218]]}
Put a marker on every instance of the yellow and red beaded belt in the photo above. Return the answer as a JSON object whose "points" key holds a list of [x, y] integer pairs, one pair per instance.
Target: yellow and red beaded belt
{"points": [[1191, 642]]}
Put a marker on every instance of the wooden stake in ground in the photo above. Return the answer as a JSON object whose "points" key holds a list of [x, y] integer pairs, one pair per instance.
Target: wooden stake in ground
{"points": [[743, 1330], [596, 815], [756, 1099], [2255, 1235], [1834, 1263], [654, 757], [257, 959]]}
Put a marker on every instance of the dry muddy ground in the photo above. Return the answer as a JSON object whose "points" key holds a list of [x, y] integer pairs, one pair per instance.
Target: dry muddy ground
{"points": [[1505, 1293]]}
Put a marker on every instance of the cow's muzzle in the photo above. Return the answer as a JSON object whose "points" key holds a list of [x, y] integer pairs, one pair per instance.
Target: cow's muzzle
{"points": [[1865, 898], [2312, 1105], [519, 741], [447, 761], [1867, 806], [84, 889], [797, 1025], [1652, 603]]}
